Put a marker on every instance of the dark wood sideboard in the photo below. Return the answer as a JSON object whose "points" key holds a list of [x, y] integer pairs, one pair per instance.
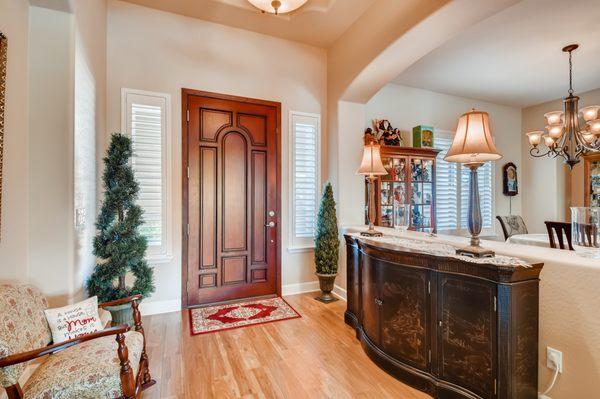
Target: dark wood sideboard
{"points": [[446, 326]]}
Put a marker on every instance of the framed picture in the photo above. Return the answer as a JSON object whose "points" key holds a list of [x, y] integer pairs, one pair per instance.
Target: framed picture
{"points": [[3, 60], [510, 182]]}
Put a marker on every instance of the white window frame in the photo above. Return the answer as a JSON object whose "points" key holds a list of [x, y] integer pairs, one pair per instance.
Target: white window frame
{"points": [[163, 253], [490, 231], [300, 244]]}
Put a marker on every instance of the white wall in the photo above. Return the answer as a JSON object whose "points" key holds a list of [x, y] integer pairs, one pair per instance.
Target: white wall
{"points": [[14, 23], [66, 64], [50, 141], [551, 187], [89, 103], [165, 52]]}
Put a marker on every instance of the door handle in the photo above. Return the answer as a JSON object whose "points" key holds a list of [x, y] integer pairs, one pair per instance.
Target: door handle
{"points": [[270, 224], [378, 301]]}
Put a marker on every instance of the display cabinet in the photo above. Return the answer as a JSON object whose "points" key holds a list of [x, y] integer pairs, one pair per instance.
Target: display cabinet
{"points": [[592, 180], [410, 180]]}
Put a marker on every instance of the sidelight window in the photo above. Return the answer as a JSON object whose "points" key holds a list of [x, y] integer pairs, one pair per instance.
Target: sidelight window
{"points": [[145, 117], [305, 172], [452, 191]]}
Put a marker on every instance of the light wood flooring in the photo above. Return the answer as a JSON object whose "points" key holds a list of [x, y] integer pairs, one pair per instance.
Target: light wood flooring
{"points": [[316, 356]]}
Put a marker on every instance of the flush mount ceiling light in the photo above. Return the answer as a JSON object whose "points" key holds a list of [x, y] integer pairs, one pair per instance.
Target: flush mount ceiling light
{"points": [[565, 136], [277, 6]]}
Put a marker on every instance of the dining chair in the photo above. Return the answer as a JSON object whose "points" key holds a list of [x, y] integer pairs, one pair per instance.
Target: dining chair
{"points": [[512, 225], [559, 230]]}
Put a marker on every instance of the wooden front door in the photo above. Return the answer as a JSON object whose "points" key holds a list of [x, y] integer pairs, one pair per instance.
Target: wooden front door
{"points": [[231, 197]]}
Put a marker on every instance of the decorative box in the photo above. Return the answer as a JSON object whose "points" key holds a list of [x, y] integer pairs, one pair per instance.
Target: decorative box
{"points": [[423, 136]]}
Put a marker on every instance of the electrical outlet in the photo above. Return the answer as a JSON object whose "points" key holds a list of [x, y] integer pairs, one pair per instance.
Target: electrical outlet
{"points": [[554, 359]]}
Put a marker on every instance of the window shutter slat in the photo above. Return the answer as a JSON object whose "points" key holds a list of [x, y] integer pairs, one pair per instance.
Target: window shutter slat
{"points": [[304, 176], [147, 135]]}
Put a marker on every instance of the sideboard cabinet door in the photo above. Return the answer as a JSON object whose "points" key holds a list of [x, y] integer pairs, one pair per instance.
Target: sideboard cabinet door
{"points": [[371, 301], [405, 314], [467, 333]]}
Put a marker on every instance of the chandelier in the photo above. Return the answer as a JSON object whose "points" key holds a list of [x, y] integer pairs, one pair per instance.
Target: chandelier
{"points": [[277, 6], [563, 136]]}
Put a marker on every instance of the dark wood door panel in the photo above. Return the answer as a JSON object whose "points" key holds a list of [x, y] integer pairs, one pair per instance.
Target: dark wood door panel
{"points": [[467, 333], [405, 314], [234, 172], [231, 195], [371, 301]]}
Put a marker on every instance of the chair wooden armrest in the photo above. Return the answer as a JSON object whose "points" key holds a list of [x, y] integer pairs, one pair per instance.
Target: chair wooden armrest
{"points": [[133, 298], [47, 350]]}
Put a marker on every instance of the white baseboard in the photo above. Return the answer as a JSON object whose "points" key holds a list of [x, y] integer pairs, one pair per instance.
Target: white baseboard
{"points": [[339, 292], [310, 286], [299, 288], [158, 307]]}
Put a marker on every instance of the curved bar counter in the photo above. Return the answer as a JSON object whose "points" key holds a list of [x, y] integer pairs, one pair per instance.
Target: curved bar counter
{"points": [[444, 324]]}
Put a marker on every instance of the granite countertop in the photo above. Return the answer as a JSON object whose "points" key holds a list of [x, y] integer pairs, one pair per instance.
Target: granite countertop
{"points": [[431, 245]]}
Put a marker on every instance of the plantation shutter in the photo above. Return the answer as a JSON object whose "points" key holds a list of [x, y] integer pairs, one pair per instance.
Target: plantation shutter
{"points": [[446, 196], [147, 124], [305, 177]]}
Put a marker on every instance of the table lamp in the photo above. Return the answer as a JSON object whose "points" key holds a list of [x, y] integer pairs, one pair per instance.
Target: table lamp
{"points": [[472, 146], [371, 167]]}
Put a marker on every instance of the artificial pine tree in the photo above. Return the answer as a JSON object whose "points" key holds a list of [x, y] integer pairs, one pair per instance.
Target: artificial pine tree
{"points": [[326, 238], [118, 244]]}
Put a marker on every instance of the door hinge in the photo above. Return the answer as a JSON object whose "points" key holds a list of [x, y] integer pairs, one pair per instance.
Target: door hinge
{"points": [[495, 386], [187, 112], [495, 304], [429, 355], [188, 229], [188, 173], [429, 287]]}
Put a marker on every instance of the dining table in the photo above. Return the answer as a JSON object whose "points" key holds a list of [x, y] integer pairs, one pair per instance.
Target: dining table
{"points": [[538, 240]]}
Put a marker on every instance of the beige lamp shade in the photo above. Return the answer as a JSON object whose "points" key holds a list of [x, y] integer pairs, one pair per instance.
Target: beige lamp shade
{"points": [[473, 141], [371, 161]]}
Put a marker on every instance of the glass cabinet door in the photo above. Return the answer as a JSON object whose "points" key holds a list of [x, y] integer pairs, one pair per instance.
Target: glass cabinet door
{"points": [[392, 189], [421, 199], [594, 183]]}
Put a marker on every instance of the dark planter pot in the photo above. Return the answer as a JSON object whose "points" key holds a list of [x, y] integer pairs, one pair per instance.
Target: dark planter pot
{"points": [[121, 314], [326, 284]]}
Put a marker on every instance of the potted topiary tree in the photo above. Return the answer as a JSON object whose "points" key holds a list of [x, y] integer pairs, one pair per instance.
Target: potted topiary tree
{"points": [[118, 245], [327, 246]]}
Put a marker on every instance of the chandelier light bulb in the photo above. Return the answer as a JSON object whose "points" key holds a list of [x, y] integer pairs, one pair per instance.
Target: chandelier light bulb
{"points": [[594, 126], [588, 137], [590, 113], [555, 130], [549, 141], [554, 117], [535, 137]]}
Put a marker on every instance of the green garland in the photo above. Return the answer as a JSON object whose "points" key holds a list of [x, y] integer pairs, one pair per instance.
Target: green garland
{"points": [[327, 243], [119, 245]]}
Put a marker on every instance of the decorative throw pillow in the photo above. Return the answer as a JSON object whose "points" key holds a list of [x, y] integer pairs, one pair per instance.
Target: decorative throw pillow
{"points": [[75, 320]]}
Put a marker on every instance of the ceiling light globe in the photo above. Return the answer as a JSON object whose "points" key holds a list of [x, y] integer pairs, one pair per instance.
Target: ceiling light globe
{"points": [[594, 126], [549, 141], [590, 113], [555, 130], [535, 137], [554, 117], [277, 6]]}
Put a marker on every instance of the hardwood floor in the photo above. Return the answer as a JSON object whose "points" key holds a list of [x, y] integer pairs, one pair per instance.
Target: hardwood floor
{"points": [[316, 356]]}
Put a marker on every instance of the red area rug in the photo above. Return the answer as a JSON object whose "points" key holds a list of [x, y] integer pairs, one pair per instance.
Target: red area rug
{"points": [[243, 314]]}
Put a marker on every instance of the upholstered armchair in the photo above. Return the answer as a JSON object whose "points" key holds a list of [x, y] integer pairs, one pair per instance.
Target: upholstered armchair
{"points": [[111, 363]]}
